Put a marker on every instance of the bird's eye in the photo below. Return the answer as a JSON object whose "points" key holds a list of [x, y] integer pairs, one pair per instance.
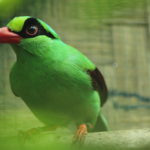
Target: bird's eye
{"points": [[32, 30]]}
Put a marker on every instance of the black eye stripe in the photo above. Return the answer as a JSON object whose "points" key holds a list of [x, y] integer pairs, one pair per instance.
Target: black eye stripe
{"points": [[33, 22]]}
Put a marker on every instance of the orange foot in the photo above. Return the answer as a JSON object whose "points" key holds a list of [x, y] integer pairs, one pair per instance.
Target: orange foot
{"points": [[80, 134]]}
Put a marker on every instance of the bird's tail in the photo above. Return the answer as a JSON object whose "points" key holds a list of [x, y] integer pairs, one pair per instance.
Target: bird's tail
{"points": [[101, 124]]}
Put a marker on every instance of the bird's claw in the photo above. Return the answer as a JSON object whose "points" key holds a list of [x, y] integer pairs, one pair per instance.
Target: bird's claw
{"points": [[80, 134]]}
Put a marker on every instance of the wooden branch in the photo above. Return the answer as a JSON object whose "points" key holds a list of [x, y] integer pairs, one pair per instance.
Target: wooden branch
{"points": [[120, 140], [112, 140]]}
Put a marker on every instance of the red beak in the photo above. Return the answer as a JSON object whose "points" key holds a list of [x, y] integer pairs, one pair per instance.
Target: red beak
{"points": [[6, 36]]}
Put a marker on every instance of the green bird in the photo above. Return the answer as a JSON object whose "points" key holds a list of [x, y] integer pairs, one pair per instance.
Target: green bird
{"points": [[57, 82]]}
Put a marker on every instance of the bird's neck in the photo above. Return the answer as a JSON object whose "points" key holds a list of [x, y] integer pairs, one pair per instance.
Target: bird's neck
{"points": [[21, 54]]}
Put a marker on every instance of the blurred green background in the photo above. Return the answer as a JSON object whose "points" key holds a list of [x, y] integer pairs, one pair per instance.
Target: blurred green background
{"points": [[114, 34]]}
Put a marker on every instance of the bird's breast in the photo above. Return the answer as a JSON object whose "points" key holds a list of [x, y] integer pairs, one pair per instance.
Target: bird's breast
{"points": [[47, 83], [54, 89]]}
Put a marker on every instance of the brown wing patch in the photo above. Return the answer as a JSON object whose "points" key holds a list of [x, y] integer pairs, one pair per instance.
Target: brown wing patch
{"points": [[99, 84]]}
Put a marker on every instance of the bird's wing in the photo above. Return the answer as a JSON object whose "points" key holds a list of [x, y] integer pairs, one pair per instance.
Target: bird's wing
{"points": [[99, 84], [97, 78]]}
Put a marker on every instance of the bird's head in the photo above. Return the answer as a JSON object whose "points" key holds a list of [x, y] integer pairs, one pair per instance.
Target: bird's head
{"points": [[27, 33]]}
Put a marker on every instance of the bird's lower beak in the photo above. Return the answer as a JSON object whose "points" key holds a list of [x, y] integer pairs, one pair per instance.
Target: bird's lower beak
{"points": [[6, 36]]}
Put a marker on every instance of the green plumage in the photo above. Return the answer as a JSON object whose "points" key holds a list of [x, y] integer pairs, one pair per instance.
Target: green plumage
{"points": [[53, 79]]}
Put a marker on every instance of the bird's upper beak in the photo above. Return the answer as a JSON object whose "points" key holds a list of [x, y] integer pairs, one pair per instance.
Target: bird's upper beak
{"points": [[6, 36]]}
